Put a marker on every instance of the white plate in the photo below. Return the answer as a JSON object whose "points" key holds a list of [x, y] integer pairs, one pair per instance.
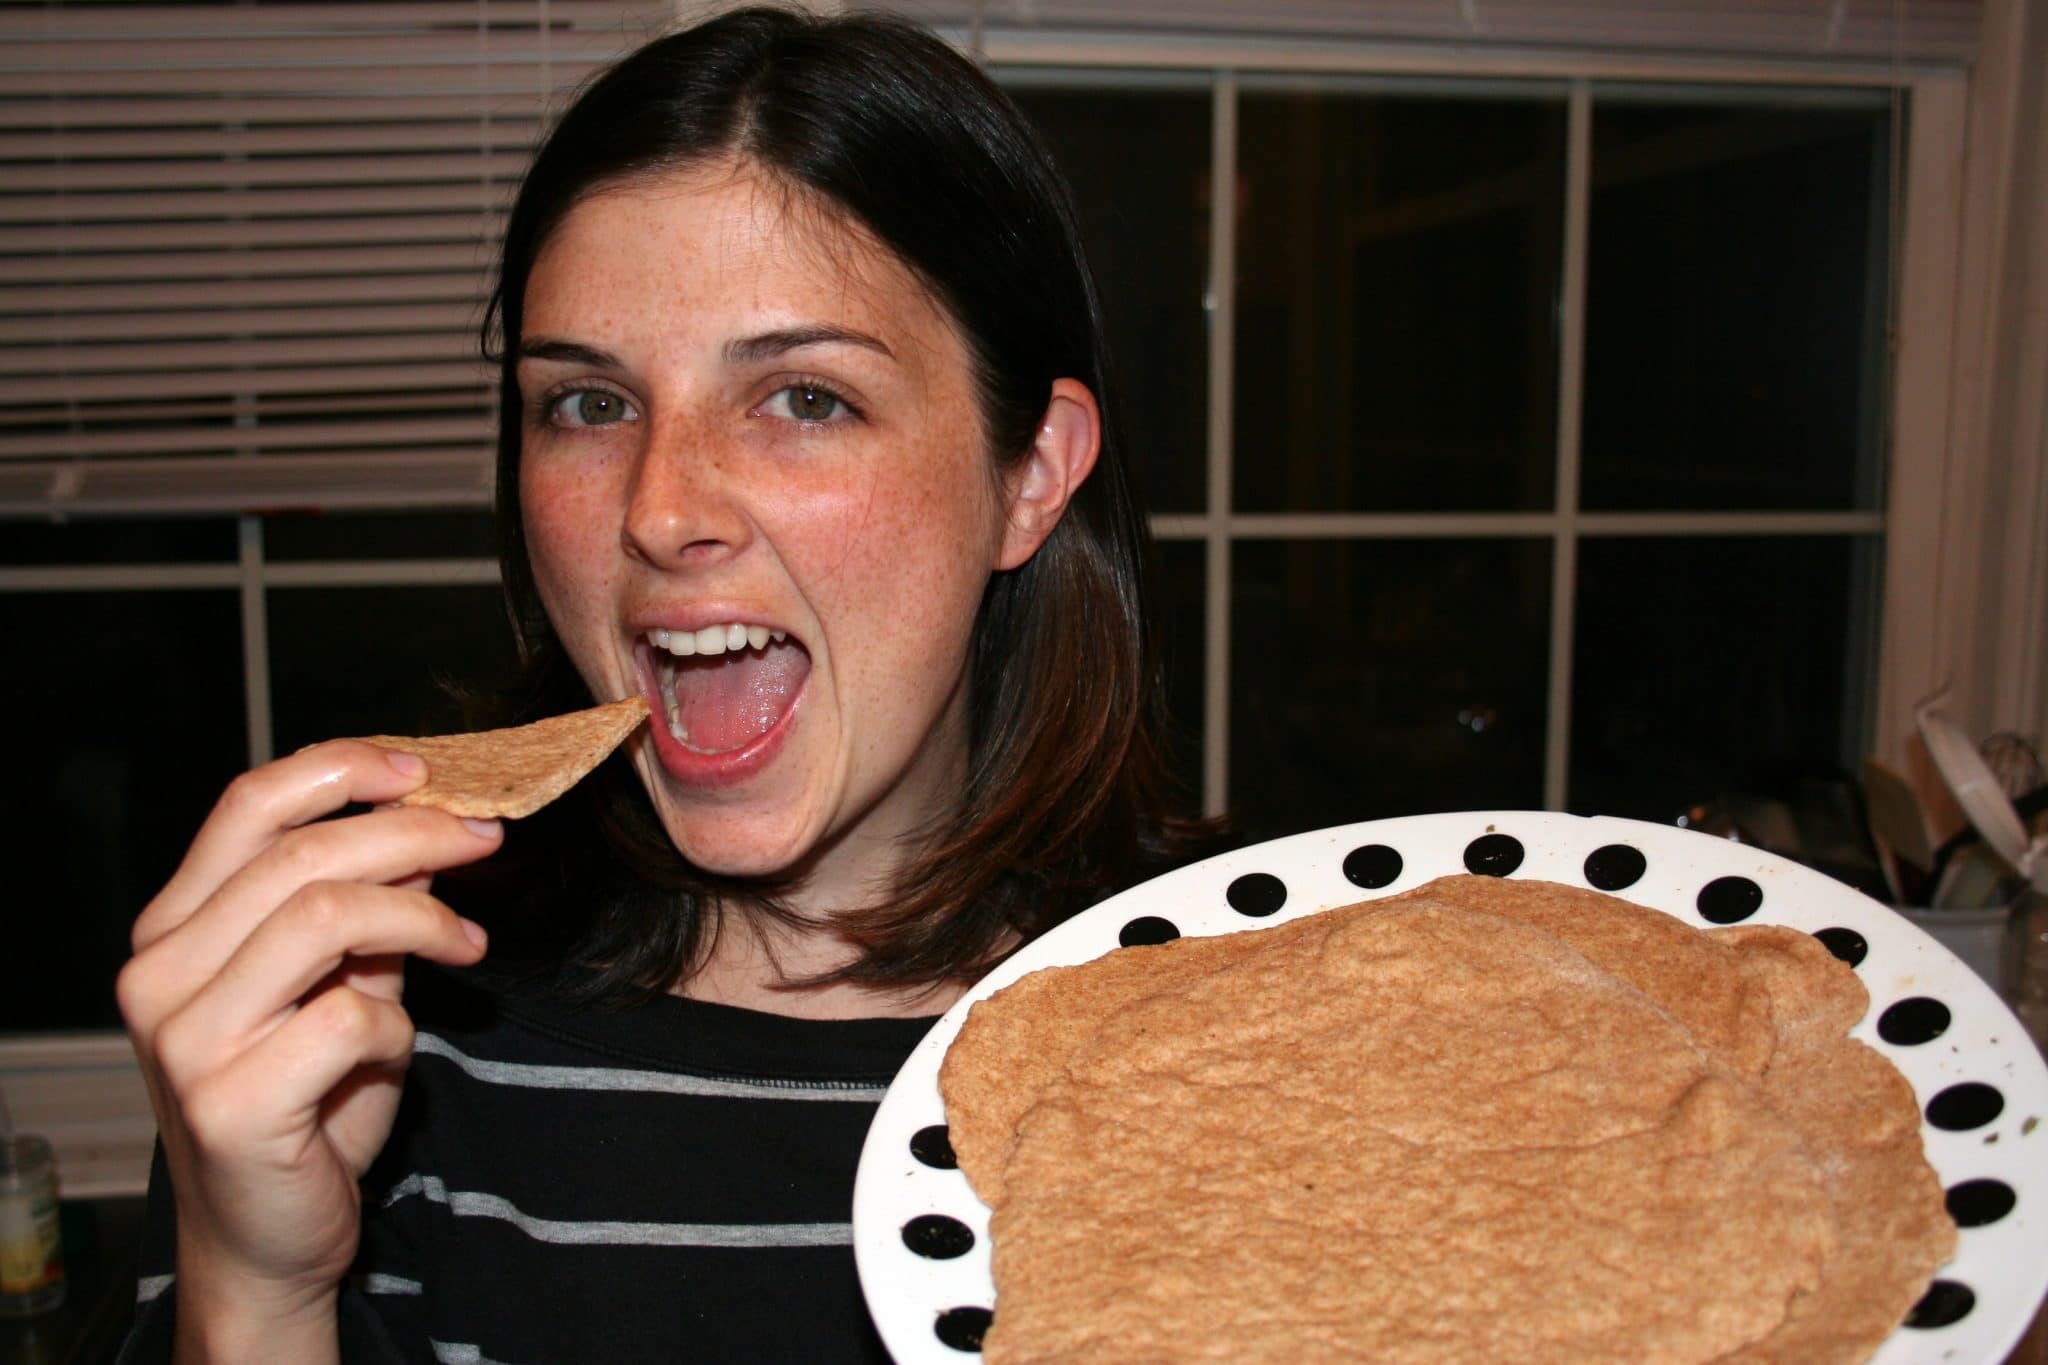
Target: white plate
{"points": [[2001, 1266]]}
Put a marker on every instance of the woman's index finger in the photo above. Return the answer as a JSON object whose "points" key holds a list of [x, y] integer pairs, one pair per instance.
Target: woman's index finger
{"points": [[263, 804]]}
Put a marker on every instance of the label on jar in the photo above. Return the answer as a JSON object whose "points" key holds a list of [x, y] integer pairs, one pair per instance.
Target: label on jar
{"points": [[29, 1255]]}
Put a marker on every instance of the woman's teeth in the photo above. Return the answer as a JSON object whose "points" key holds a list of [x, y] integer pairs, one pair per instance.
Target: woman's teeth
{"points": [[714, 639], [733, 701]]}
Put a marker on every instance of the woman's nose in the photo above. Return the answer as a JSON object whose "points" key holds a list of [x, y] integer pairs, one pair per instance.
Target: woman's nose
{"points": [[683, 507]]}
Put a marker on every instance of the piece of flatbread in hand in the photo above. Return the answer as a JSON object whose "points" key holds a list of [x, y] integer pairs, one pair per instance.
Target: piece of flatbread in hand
{"points": [[515, 772]]}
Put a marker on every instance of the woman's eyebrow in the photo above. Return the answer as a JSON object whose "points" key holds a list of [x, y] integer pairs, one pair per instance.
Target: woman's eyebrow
{"points": [[568, 352], [768, 345]]}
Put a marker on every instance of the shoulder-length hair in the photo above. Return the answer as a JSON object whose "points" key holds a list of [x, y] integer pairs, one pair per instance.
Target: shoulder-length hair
{"points": [[1064, 801]]}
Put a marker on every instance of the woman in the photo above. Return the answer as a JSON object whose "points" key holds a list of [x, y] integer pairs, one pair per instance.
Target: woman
{"points": [[805, 436]]}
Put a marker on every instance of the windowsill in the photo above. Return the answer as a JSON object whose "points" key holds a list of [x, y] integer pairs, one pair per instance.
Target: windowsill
{"points": [[84, 1092]]}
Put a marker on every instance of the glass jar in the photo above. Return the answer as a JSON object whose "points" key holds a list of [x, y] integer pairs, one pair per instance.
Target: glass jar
{"points": [[31, 1251]]}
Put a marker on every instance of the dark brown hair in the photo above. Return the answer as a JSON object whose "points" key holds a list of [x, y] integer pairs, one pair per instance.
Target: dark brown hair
{"points": [[1065, 801]]}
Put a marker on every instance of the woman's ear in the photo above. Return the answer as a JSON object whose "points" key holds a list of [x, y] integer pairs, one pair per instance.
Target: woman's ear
{"points": [[1061, 457]]}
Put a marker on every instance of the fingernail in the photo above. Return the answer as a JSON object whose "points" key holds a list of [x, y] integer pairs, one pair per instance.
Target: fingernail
{"points": [[474, 931], [407, 765], [483, 829]]}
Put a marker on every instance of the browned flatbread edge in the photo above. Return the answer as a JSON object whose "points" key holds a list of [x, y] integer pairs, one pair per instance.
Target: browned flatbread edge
{"points": [[1859, 1116], [513, 772]]}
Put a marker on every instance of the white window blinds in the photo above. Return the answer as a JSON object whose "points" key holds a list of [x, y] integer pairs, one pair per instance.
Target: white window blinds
{"points": [[244, 247], [243, 244], [1939, 31]]}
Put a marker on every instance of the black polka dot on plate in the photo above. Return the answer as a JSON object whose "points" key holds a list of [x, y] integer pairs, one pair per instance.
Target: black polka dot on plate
{"points": [[1975, 1203], [1846, 944], [1944, 1302], [1146, 930], [933, 1145], [1729, 900], [938, 1237], [1915, 1020], [1493, 855], [963, 1328], [1960, 1108], [1372, 866], [1257, 894], [1614, 866]]}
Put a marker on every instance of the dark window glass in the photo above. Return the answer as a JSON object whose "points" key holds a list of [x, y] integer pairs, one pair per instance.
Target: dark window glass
{"points": [[1397, 277], [129, 722], [1707, 668], [1386, 677], [1181, 594], [182, 540], [1139, 163], [361, 661], [379, 535], [1735, 307]]}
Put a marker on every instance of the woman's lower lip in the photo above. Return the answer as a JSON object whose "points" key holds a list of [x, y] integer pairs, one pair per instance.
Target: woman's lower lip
{"points": [[696, 768]]}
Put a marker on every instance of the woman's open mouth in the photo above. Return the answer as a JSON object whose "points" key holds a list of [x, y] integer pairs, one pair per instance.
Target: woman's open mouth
{"points": [[721, 689]]}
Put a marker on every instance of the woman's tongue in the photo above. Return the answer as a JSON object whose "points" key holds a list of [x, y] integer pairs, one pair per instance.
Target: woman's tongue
{"points": [[728, 702]]}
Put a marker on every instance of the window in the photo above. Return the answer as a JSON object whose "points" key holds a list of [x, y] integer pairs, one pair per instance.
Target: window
{"points": [[129, 719], [150, 661], [244, 430], [1514, 426], [1546, 467]]}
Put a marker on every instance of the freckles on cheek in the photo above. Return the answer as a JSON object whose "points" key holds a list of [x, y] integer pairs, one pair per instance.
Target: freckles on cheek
{"points": [[826, 525], [566, 518]]}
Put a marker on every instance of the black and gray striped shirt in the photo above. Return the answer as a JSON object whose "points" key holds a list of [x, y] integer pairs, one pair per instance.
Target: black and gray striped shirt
{"points": [[672, 1182]]}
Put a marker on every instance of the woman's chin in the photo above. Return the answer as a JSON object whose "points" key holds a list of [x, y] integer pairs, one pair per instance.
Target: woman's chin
{"points": [[761, 827], [721, 846]]}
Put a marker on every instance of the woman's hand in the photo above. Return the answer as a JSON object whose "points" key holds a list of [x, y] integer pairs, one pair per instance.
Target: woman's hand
{"points": [[263, 1002]]}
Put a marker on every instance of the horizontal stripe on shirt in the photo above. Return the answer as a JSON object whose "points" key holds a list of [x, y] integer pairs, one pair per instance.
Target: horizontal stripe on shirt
{"points": [[375, 1283], [472, 1204], [148, 1287], [623, 1079], [460, 1353]]}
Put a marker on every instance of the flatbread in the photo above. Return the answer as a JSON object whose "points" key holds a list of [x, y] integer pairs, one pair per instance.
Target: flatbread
{"points": [[1420, 1134], [516, 771], [1485, 1119]]}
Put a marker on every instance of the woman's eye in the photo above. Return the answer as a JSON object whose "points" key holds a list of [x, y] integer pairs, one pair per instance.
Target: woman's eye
{"points": [[591, 408], [805, 403]]}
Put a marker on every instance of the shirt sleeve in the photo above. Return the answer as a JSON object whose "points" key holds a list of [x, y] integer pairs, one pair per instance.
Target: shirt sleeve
{"points": [[376, 1313], [149, 1340]]}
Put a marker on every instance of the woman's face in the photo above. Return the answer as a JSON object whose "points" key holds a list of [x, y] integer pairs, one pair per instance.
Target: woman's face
{"points": [[755, 490]]}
